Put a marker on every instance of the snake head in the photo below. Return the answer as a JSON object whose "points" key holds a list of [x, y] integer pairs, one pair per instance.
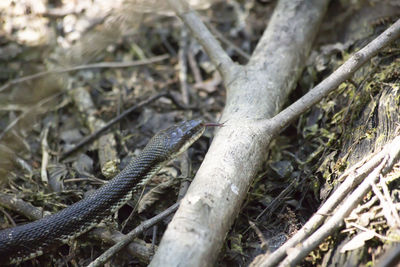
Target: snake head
{"points": [[172, 141]]}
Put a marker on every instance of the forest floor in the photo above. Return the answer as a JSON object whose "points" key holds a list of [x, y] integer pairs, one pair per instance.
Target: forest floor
{"points": [[65, 71]]}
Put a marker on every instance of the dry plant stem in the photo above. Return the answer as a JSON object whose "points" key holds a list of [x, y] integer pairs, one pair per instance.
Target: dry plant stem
{"points": [[103, 258], [210, 44], [196, 233], [353, 179], [84, 67], [296, 254], [343, 73]]}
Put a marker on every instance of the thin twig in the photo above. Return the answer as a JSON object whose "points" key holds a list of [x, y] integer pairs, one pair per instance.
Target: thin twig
{"points": [[83, 67], [343, 73], [129, 237]]}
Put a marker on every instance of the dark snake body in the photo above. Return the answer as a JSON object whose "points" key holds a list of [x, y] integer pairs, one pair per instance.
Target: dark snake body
{"points": [[33, 239]]}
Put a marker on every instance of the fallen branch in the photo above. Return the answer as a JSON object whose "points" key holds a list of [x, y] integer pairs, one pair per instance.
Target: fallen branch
{"points": [[103, 258], [340, 75], [254, 92]]}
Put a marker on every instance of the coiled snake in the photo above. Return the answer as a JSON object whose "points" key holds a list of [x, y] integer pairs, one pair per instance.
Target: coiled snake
{"points": [[33, 239]]}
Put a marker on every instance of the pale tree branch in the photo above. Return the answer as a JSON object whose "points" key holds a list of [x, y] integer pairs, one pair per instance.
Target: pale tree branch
{"points": [[343, 73], [257, 91]]}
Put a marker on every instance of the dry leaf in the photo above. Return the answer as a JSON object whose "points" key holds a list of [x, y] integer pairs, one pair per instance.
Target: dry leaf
{"points": [[358, 241]]}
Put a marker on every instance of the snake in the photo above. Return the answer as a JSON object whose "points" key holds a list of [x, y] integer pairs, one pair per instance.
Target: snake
{"points": [[27, 241]]}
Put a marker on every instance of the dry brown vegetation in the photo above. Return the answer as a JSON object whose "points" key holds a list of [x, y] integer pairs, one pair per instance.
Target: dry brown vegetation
{"points": [[69, 68]]}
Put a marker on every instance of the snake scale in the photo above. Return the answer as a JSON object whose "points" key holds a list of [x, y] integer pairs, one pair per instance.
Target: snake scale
{"points": [[33, 239]]}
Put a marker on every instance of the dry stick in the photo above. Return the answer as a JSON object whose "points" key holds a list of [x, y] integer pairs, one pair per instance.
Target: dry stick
{"points": [[343, 73], [131, 235], [213, 49], [299, 252], [340, 193], [83, 67], [196, 233], [136, 249], [11, 202], [98, 132]]}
